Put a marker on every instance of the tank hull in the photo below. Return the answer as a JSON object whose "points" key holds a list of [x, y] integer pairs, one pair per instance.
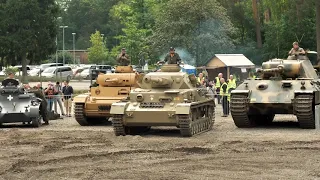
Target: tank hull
{"points": [[19, 109], [256, 102], [100, 107]]}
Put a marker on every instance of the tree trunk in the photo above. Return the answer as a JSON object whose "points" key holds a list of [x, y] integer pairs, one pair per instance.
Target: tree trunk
{"points": [[24, 68], [257, 21], [318, 30]]}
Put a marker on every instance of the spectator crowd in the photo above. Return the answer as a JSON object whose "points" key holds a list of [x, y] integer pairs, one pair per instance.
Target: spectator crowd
{"points": [[219, 88], [57, 95]]}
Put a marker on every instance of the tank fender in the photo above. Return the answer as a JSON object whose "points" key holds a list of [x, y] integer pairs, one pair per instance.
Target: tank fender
{"points": [[80, 98], [302, 92], [34, 111], [183, 108], [118, 107], [246, 92]]}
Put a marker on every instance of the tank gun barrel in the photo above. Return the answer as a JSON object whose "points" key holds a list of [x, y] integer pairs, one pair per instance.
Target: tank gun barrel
{"points": [[113, 81], [279, 70]]}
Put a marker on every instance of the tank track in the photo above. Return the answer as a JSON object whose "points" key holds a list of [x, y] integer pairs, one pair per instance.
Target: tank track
{"points": [[304, 111], [79, 114], [239, 108], [189, 128], [118, 127]]}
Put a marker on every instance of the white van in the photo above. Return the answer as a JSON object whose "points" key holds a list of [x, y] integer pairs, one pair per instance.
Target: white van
{"points": [[60, 71]]}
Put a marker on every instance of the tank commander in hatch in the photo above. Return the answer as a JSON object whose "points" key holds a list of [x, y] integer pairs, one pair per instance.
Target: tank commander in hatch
{"points": [[10, 75], [172, 57], [296, 50], [123, 58]]}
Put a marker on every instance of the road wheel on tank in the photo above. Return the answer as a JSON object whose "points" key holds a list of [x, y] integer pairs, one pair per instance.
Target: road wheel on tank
{"points": [[36, 121], [211, 116], [118, 128], [304, 108], [239, 111], [185, 124], [79, 114]]}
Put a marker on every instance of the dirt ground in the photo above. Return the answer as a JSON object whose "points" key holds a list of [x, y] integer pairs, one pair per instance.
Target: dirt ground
{"points": [[65, 150]]}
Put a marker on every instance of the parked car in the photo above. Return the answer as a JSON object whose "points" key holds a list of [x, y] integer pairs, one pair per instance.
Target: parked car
{"points": [[78, 70], [19, 67], [47, 65], [85, 74], [34, 72], [61, 71], [96, 69]]}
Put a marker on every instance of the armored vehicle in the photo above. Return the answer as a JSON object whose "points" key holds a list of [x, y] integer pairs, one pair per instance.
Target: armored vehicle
{"points": [[17, 105], [288, 86], [94, 107], [165, 98]]}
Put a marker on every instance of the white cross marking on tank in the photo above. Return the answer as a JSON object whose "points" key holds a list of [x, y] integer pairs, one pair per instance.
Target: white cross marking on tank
{"points": [[9, 97]]}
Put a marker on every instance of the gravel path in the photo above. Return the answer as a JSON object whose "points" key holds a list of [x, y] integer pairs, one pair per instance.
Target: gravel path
{"points": [[65, 150]]}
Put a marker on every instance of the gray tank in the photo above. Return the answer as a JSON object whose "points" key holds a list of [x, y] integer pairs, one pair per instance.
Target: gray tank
{"points": [[285, 86], [17, 105]]}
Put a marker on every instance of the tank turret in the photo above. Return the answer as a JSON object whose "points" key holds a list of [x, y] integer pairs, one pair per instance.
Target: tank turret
{"points": [[124, 69], [287, 69], [116, 80], [170, 68], [94, 107]]}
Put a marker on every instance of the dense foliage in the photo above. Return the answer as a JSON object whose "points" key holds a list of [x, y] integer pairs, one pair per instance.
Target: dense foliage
{"points": [[28, 30], [260, 29], [198, 29]]}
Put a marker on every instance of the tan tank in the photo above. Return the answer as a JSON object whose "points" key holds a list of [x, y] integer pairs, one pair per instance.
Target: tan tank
{"points": [[166, 98], [94, 107]]}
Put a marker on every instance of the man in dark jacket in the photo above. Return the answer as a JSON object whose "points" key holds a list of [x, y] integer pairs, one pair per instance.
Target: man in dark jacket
{"points": [[43, 106], [172, 57], [67, 91]]}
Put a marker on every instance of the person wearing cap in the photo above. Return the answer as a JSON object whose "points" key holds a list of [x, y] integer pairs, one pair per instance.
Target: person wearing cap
{"points": [[123, 58], [172, 57], [296, 50]]}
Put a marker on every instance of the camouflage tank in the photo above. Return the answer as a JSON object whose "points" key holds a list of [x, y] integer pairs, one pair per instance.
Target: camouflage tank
{"points": [[17, 105], [288, 86], [94, 107], [165, 98]]}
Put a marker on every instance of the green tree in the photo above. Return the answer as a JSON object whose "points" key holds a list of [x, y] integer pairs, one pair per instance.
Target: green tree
{"points": [[98, 53], [137, 19], [84, 17], [202, 28], [30, 30]]}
